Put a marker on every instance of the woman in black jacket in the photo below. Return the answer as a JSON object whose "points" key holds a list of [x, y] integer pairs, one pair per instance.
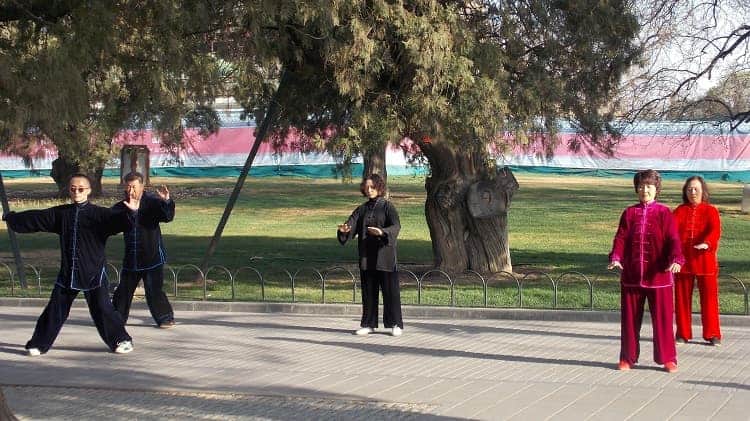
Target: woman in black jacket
{"points": [[376, 224]]}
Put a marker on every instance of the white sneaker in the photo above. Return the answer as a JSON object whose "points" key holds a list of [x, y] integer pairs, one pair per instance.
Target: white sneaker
{"points": [[396, 331], [364, 331], [33, 352], [124, 347]]}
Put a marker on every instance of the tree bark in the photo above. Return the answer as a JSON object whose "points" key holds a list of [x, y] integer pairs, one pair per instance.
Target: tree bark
{"points": [[466, 210], [374, 161], [63, 169]]}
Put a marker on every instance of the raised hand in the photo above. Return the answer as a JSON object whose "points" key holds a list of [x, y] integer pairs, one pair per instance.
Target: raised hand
{"points": [[132, 204], [163, 192]]}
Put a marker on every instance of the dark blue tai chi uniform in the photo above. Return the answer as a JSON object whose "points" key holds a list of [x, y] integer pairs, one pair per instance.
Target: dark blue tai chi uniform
{"points": [[145, 257], [83, 229]]}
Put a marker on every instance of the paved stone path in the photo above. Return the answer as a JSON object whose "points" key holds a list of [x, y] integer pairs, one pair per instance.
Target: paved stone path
{"points": [[222, 365]]}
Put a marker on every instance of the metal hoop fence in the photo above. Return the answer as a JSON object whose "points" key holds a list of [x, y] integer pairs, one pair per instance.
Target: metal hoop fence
{"points": [[275, 280]]}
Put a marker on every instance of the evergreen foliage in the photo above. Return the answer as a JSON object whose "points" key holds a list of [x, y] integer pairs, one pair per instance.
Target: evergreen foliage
{"points": [[74, 73]]}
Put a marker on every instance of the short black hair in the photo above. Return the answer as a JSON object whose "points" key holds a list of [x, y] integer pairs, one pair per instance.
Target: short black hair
{"points": [[132, 176], [80, 175]]}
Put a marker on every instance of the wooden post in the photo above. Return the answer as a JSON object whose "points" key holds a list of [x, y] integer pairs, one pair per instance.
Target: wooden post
{"points": [[12, 236], [268, 120]]}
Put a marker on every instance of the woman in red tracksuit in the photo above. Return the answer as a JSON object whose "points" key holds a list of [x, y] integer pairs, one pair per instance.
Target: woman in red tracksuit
{"points": [[700, 228]]}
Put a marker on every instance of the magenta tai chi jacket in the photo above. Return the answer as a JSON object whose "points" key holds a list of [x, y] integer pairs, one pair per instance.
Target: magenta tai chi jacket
{"points": [[646, 244]]}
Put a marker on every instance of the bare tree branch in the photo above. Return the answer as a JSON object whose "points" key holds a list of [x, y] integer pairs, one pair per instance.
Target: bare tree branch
{"points": [[690, 47]]}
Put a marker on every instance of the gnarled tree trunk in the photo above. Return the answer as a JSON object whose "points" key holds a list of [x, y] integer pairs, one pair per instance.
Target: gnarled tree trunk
{"points": [[466, 209], [63, 169]]}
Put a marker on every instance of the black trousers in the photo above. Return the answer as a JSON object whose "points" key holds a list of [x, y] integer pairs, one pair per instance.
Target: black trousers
{"points": [[153, 282], [108, 322], [372, 280]]}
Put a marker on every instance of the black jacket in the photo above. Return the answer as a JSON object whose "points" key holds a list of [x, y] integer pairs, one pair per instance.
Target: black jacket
{"points": [[375, 253], [144, 248], [83, 230]]}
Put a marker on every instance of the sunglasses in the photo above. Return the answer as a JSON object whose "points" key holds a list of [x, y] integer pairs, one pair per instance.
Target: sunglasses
{"points": [[78, 189]]}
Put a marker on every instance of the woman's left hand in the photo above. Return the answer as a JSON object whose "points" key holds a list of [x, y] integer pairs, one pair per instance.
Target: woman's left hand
{"points": [[674, 268], [701, 246], [375, 231]]}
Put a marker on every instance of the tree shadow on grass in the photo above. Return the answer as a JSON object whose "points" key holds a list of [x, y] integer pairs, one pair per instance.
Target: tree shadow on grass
{"points": [[234, 252], [593, 265]]}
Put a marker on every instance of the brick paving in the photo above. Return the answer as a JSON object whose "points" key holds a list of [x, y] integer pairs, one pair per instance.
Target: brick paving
{"points": [[240, 365]]}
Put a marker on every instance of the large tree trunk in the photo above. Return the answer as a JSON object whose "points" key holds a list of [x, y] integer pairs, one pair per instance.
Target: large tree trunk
{"points": [[466, 209], [63, 169], [374, 160]]}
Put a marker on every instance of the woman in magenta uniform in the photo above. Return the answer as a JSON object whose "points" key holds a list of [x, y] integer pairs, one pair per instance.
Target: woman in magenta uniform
{"points": [[646, 248]]}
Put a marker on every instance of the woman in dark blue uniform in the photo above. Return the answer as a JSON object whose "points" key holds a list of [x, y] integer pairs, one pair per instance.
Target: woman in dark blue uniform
{"points": [[377, 226], [83, 229]]}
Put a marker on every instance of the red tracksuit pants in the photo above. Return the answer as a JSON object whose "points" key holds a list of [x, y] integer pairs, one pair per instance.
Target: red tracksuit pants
{"points": [[708, 289], [661, 307]]}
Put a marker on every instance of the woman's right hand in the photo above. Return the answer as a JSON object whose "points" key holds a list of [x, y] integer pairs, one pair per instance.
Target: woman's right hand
{"points": [[344, 228], [615, 264]]}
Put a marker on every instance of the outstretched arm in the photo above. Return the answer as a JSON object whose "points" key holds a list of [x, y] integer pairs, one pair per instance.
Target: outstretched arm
{"points": [[45, 220]]}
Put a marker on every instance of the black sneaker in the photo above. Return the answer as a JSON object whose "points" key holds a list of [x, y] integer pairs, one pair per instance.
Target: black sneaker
{"points": [[715, 341], [680, 340], [168, 324]]}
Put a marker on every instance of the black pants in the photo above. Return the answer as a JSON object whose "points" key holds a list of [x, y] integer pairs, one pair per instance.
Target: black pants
{"points": [[372, 280], [153, 282], [108, 322]]}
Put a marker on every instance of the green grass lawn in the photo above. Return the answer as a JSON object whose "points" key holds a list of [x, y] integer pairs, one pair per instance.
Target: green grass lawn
{"points": [[561, 229]]}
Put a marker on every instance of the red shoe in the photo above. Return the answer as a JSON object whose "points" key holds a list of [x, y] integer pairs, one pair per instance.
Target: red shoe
{"points": [[670, 367], [623, 365]]}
